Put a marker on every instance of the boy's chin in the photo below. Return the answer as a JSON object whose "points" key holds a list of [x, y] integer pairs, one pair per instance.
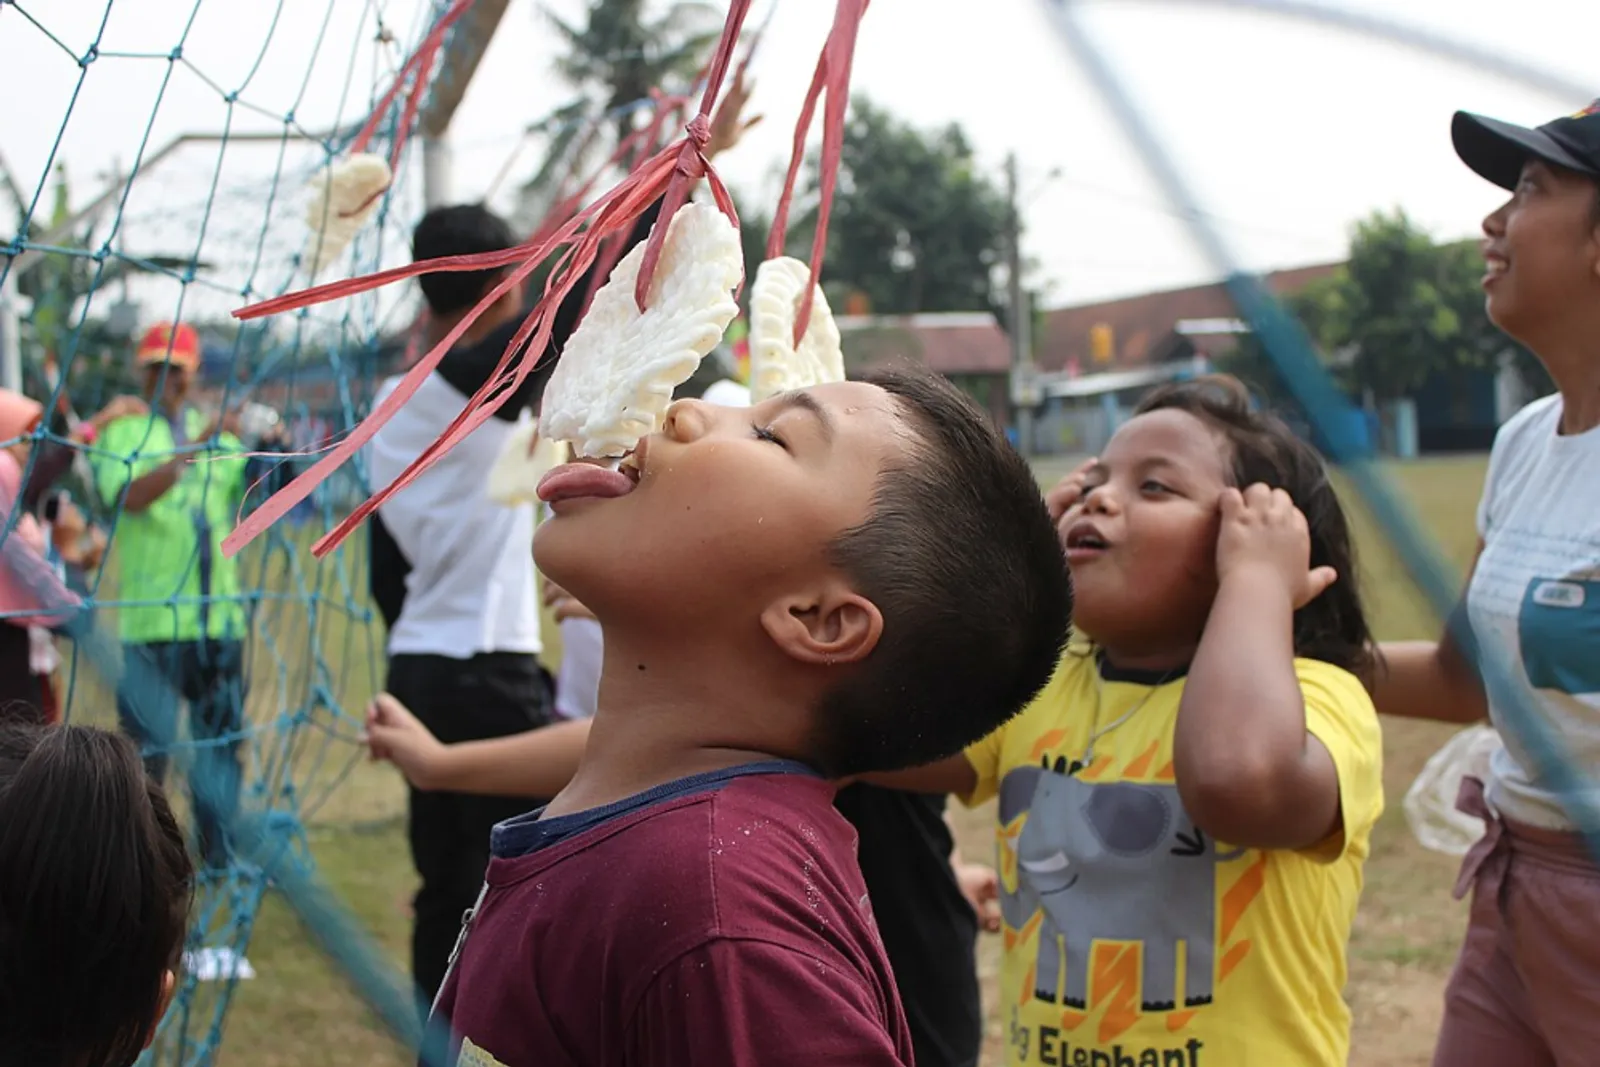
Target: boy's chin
{"points": [[566, 557], [608, 575]]}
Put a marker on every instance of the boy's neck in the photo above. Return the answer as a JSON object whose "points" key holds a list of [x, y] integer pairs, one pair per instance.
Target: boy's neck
{"points": [[663, 716]]}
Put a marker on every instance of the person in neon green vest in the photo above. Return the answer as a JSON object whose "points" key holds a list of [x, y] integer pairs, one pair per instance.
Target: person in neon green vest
{"points": [[175, 478]]}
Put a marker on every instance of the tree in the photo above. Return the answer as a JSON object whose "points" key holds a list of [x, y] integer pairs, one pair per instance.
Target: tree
{"points": [[916, 224], [1404, 323], [1401, 312], [615, 58]]}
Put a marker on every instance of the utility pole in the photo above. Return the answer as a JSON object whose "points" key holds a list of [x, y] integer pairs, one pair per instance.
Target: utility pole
{"points": [[10, 330], [435, 171], [1023, 398]]}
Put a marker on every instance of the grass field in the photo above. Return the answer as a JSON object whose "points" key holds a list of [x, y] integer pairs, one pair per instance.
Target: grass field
{"points": [[300, 1010]]}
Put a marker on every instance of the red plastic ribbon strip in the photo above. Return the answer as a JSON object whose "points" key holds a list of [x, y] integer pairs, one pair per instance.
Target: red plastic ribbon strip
{"points": [[416, 70], [650, 139], [833, 76], [669, 174]]}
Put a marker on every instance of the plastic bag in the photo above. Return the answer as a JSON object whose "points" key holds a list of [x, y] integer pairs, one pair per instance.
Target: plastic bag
{"points": [[1430, 803]]}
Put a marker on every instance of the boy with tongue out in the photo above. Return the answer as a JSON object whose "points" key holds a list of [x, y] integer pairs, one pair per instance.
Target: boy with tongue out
{"points": [[774, 584]]}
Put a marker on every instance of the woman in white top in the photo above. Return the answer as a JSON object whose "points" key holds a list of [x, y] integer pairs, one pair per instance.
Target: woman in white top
{"points": [[1526, 988]]}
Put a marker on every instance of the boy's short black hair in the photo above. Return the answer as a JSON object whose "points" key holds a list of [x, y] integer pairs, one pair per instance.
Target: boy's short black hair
{"points": [[459, 230], [1332, 628], [95, 885], [961, 558]]}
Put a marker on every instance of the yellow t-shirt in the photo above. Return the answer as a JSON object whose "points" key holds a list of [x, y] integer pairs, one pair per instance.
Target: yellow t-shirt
{"points": [[1132, 938]]}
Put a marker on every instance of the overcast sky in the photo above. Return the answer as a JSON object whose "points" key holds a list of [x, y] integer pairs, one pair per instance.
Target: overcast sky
{"points": [[1288, 131]]}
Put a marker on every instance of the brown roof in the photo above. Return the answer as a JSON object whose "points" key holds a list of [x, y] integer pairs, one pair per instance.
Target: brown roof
{"points": [[948, 343], [1139, 323]]}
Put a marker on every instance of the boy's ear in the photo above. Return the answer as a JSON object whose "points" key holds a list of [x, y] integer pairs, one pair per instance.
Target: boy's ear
{"points": [[828, 627], [169, 987]]}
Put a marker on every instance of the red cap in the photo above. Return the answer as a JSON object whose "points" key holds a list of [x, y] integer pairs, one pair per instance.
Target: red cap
{"points": [[164, 341]]}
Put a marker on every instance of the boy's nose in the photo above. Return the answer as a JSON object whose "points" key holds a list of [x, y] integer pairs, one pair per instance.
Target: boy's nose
{"points": [[687, 420]]}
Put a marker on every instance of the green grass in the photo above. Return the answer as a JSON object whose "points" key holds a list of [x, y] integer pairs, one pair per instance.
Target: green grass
{"points": [[301, 1010]]}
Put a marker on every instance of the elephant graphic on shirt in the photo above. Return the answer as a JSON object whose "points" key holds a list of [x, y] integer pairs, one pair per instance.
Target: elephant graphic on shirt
{"points": [[1113, 861]]}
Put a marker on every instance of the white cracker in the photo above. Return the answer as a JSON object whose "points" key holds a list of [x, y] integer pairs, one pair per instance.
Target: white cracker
{"points": [[776, 365], [347, 194], [515, 475], [617, 373]]}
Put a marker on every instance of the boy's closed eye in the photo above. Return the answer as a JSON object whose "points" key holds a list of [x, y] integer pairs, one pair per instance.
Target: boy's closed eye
{"points": [[767, 433]]}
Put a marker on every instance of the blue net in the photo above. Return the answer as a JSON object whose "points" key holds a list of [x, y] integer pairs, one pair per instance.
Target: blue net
{"points": [[1329, 411], [162, 172], [209, 123]]}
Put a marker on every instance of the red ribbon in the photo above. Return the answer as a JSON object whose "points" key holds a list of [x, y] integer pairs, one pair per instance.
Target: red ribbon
{"points": [[416, 70], [673, 170], [833, 76]]}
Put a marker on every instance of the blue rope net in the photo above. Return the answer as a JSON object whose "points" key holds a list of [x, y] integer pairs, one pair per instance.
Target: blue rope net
{"points": [[1329, 411], [198, 225], [224, 114], [207, 213]]}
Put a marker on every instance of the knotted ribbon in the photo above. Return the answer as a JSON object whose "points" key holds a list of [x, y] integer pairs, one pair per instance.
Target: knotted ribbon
{"points": [[669, 175], [833, 76]]}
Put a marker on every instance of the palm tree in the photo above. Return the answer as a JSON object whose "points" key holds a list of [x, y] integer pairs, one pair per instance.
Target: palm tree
{"points": [[615, 59]]}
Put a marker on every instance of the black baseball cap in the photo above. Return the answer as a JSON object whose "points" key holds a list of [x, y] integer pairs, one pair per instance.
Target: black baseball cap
{"points": [[1497, 151]]}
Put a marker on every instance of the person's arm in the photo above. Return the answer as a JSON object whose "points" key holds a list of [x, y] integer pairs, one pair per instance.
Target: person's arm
{"points": [[952, 775], [150, 487], [1248, 770], [387, 570], [980, 884], [739, 1001], [136, 484], [538, 763], [1431, 679]]}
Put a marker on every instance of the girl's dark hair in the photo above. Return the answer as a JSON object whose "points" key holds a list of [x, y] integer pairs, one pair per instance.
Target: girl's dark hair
{"points": [[95, 886], [1333, 627]]}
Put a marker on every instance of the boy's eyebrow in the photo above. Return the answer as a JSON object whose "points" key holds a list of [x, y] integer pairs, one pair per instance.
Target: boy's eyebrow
{"points": [[804, 401]]}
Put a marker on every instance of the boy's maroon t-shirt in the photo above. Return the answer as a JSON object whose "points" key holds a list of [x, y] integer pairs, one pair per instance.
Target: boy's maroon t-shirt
{"points": [[721, 919]]}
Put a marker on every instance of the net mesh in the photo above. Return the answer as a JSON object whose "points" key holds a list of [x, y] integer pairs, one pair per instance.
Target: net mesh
{"points": [[174, 187], [205, 125]]}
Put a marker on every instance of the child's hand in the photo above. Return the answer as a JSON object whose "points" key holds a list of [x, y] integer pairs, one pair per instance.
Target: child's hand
{"points": [[396, 735], [1068, 492], [1264, 533], [553, 593], [94, 551], [728, 125], [570, 608], [68, 529], [981, 886]]}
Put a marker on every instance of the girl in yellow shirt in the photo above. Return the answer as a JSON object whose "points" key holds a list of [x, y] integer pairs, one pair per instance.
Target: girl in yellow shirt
{"points": [[1184, 810]]}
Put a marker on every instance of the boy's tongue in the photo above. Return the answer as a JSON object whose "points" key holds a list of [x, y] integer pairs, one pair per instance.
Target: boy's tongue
{"points": [[571, 481]]}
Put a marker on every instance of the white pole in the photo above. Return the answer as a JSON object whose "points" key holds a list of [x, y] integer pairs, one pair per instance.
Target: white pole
{"points": [[435, 172], [1022, 370], [10, 335]]}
